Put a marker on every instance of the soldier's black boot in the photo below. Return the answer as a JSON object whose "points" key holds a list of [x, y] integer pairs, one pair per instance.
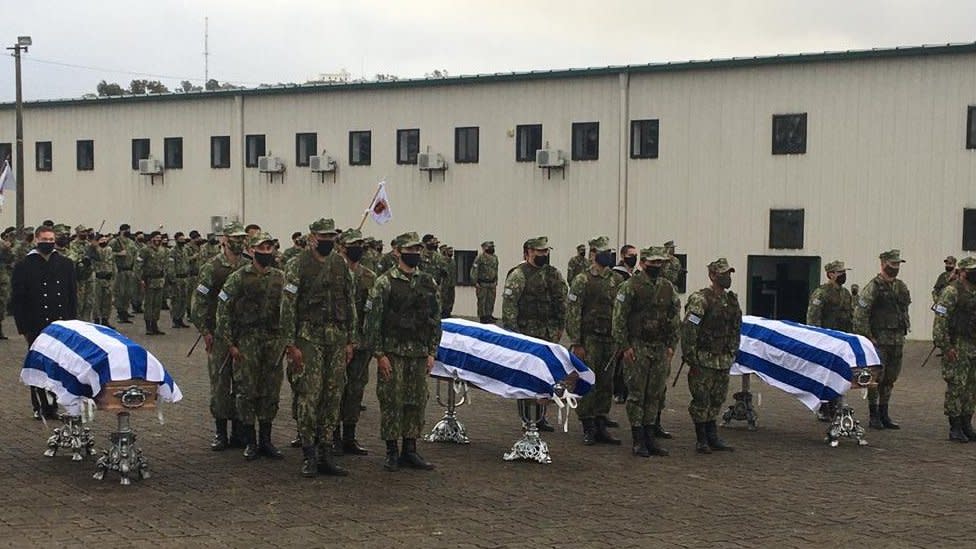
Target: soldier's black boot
{"points": [[966, 423], [155, 326], [137, 308], [309, 461], [602, 435], [411, 458], [251, 449], [956, 433], [640, 442], [220, 438], [589, 431], [149, 328], [391, 463], [265, 447], [349, 443], [701, 440], [886, 419], [659, 431], [711, 436], [610, 423], [297, 441], [651, 442], [327, 464], [875, 419], [124, 318]]}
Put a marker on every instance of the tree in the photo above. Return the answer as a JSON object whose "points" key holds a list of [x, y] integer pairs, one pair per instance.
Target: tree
{"points": [[105, 89], [212, 84], [155, 86], [137, 87], [387, 77], [187, 86], [437, 73]]}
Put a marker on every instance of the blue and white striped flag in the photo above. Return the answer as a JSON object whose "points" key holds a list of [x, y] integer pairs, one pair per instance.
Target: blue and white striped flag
{"points": [[505, 363], [813, 364], [73, 359]]}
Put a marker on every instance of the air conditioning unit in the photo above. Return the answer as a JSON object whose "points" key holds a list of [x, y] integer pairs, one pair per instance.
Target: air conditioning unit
{"points": [[431, 161], [150, 166], [322, 164], [270, 164], [549, 158]]}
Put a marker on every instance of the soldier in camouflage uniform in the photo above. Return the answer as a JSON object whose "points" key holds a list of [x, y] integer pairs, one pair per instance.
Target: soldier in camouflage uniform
{"points": [[881, 314], [954, 332], [83, 271], [179, 274], [387, 261], [709, 342], [297, 247], [484, 274], [432, 262], [371, 253], [103, 263], [138, 292], [403, 329], [23, 245], [450, 281], [672, 267], [213, 275], [831, 306], [534, 301], [357, 373], [578, 263], [589, 326], [645, 329], [247, 323], [152, 263], [318, 322], [124, 253], [945, 278]]}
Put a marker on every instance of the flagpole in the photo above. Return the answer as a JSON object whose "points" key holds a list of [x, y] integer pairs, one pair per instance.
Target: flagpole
{"points": [[371, 200]]}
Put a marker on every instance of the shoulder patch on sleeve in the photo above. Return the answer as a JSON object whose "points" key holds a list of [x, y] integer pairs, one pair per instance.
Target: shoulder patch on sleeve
{"points": [[694, 319], [571, 296], [203, 289], [369, 305], [940, 310], [223, 295], [862, 303], [621, 297], [508, 291], [291, 288]]}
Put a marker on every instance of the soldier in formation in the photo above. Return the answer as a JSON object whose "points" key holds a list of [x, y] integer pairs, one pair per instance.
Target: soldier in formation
{"points": [[484, 274], [831, 306], [954, 332], [945, 278]]}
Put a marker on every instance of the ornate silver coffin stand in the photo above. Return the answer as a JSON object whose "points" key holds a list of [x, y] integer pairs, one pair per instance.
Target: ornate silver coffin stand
{"points": [[531, 446], [73, 435], [449, 428], [844, 424], [742, 409], [125, 456]]}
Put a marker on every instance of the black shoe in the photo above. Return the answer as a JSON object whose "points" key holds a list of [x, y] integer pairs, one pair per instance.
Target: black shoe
{"points": [[602, 435], [651, 443], [309, 462], [349, 443], [966, 423], [327, 464], [875, 420], [392, 462], [137, 309], [589, 431], [411, 458], [149, 329], [701, 439], [886, 419], [265, 447], [619, 399], [156, 329], [715, 443], [164, 306], [659, 431], [123, 318], [611, 423], [251, 448], [640, 442], [956, 433], [297, 441], [219, 442]]}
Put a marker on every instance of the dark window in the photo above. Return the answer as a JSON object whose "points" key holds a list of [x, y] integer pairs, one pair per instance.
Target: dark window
{"points": [[465, 147], [586, 140], [528, 139], [360, 148], [643, 138], [408, 145], [305, 146], [786, 229], [220, 151], [7, 153], [682, 283], [140, 151], [464, 259], [969, 229], [42, 152], [790, 133], [85, 158], [173, 153], [253, 149], [971, 128]]}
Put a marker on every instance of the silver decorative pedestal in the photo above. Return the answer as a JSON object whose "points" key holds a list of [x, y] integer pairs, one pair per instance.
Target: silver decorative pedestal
{"points": [[449, 428], [124, 456], [845, 425], [73, 435], [742, 409], [531, 446]]}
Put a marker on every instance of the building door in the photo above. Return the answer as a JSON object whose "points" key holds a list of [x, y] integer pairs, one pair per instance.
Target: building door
{"points": [[779, 287]]}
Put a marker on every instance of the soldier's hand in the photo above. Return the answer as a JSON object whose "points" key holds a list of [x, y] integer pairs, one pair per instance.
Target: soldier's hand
{"points": [[559, 335], [294, 355], [208, 342], [349, 351], [579, 351], [952, 355], [629, 355], [669, 354], [235, 353], [430, 363], [383, 367]]}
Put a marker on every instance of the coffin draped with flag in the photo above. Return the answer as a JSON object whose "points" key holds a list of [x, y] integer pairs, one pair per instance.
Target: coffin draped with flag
{"points": [[505, 363], [74, 359], [813, 364]]}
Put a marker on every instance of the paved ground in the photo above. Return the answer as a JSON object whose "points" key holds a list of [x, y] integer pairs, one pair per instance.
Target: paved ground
{"points": [[782, 487]]}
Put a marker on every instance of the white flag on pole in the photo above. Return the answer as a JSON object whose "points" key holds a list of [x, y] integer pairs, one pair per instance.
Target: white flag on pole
{"points": [[379, 210], [6, 178]]}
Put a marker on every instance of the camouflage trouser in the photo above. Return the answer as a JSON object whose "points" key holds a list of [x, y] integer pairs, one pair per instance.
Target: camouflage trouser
{"points": [[153, 300], [4, 292], [102, 298], [179, 297], [124, 286], [447, 301], [257, 378], [137, 294], [646, 379], [318, 388], [708, 388], [597, 402], [357, 376], [960, 378], [85, 298], [890, 356], [403, 398], [486, 300], [221, 374]]}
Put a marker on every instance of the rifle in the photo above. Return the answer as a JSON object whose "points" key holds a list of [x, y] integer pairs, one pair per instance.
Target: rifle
{"points": [[678, 374], [927, 357], [194, 346]]}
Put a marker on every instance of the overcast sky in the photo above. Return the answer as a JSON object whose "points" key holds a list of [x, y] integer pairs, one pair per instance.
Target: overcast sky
{"points": [[275, 41]]}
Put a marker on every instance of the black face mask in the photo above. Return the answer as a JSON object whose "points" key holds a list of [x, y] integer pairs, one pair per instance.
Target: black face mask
{"points": [[62, 241], [971, 277], [431, 247], [606, 259], [264, 260], [541, 260], [653, 271], [841, 279], [724, 280], [127, 234], [582, 253], [892, 272], [630, 261], [490, 251], [102, 244], [354, 253], [410, 259], [83, 237], [324, 247], [950, 269], [45, 247]]}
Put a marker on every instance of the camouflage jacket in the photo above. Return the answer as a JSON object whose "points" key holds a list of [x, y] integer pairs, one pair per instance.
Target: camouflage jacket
{"points": [[940, 284], [213, 275], [180, 263], [435, 265], [364, 280], [319, 300], [881, 312], [81, 254], [450, 272], [152, 265], [645, 312], [534, 301], [103, 263], [955, 317], [250, 301], [711, 329], [290, 253], [589, 311], [370, 259], [831, 306], [577, 265], [672, 269], [403, 314], [484, 270], [386, 262]]}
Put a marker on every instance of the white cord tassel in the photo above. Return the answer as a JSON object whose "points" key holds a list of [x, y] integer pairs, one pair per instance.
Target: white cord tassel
{"points": [[568, 400]]}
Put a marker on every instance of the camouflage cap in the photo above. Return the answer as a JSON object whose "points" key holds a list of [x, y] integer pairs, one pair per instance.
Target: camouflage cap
{"points": [[600, 244], [967, 264], [234, 229], [259, 239], [407, 240], [323, 226], [581, 248], [487, 243], [669, 244], [351, 235], [80, 229], [835, 266], [891, 256], [541, 243], [720, 265], [654, 253], [61, 228], [949, 260]]}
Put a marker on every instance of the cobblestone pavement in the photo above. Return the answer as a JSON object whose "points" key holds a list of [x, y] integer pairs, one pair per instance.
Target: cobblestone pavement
{"points": [[782, 487]]}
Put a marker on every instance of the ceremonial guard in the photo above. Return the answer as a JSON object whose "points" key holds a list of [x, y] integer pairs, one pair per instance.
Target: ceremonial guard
{"points": [[151, 266], [954, 333], [103, 263], [450, 281], [945, 278], [180, 273], [124, 252], [831, 306], [578, 263], [85, 273], [484, 274]]}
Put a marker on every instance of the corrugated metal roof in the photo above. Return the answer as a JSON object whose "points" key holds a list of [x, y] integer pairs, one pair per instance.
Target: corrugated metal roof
{"points": [[731, 62]]}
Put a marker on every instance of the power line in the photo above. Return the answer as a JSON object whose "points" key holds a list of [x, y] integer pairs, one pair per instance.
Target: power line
{"points": [[33, 59]]}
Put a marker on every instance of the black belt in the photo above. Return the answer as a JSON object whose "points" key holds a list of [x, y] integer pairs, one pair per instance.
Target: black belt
{"points": [[103, 276], [122, 269]]}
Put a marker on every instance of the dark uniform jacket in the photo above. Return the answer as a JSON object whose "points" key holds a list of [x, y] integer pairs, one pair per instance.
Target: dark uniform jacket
{"points": [[42, 291]]}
